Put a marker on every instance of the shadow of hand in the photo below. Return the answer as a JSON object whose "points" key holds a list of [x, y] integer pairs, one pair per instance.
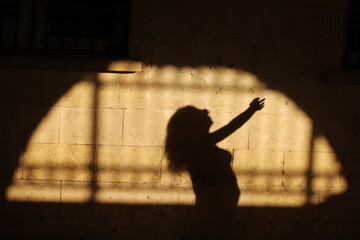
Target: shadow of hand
{"points": [[257, 104]]}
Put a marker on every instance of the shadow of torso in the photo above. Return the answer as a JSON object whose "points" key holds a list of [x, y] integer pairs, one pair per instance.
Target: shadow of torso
{"points": [[213, 180]]}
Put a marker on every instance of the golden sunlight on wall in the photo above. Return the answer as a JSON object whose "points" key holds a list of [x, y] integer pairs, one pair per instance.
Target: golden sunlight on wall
{"points": [[103, 141]]}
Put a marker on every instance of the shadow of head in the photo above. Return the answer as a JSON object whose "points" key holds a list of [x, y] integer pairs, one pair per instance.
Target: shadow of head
{"points": [[187, 129]]}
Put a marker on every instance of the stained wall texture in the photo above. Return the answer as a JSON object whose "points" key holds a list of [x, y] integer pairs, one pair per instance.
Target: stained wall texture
{"points": [[82, 152]]}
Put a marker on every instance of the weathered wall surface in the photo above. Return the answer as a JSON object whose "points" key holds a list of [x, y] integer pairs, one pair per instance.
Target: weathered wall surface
{"points": [[86, 149]]}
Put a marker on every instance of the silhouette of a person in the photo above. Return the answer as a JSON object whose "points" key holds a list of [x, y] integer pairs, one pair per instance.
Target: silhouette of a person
{"points": [[190, 147]]}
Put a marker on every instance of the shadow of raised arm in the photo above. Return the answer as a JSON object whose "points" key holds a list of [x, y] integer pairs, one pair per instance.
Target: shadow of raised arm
{"points": [[238, 121]]}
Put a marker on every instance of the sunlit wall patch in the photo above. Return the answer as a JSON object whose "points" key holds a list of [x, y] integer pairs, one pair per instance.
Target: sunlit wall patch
{"points": [[103, 141]]}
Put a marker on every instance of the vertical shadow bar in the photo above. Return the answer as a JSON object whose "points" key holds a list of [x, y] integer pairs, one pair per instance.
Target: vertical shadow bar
{"points": [[93, 166], [309, 172]]}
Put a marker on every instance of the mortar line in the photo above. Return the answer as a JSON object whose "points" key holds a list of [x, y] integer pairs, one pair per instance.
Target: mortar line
{"points": [[283, 169], [59, 125], [248, 142], [122, 127]]}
